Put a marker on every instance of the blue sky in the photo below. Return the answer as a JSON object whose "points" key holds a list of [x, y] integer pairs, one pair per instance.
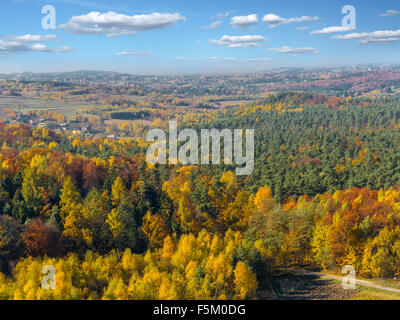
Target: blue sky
{"points": [[187, 36]]}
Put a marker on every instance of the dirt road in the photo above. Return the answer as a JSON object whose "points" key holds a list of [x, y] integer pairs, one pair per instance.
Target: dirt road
{"points": [[326, 276]]}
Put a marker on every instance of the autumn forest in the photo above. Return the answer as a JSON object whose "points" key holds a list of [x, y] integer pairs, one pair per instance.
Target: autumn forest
{"points": [[324, 193]]}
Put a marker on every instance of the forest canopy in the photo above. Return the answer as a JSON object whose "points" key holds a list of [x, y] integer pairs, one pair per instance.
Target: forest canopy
{"points": [[324, 192]]}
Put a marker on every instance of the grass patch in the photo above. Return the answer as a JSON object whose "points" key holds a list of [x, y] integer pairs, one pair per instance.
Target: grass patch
{"points": [[367, 293]]}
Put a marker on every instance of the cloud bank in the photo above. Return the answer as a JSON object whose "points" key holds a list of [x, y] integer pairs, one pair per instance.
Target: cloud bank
{"points": [[294, 51], [247, 41], [244, 21], [213, 25], [134, 53], [390, 13], [376, 37], [115, 24], [29, 43], [333, 29], [274, 20]]}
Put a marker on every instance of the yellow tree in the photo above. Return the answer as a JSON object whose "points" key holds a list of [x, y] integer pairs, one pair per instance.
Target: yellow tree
{"points": [[115, 222], [245, 282], [178, 189], [74, 215], [168, 248], [264, 200], [155, 229], [118, 191], [237, 213], [69, 195], [76, 225]]}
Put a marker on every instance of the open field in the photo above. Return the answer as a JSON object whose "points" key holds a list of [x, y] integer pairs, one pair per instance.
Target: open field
{"points": [[118, 121], [374, 294], [23, 104]]}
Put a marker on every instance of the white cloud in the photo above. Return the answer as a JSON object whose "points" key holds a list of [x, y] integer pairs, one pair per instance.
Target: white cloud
{"points": [[213, 25], [244, 21], [39, 47], [115, 24], [375, 37], [295, 51], [43, 48], [375, 34], [185, 59], [247, 41], [257, 59], [390, 13], [62, 49], [29, 43], [220, 58], [333, 29], [33, 38], [223, 15], [302, 28], [134, 53], [274, 20], [378, 41]]}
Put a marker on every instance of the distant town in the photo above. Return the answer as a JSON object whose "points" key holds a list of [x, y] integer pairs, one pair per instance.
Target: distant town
{"points": [[115, 105]]}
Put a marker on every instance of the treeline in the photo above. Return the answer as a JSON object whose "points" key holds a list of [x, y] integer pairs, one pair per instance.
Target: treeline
{"points": [[133, 115]]}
